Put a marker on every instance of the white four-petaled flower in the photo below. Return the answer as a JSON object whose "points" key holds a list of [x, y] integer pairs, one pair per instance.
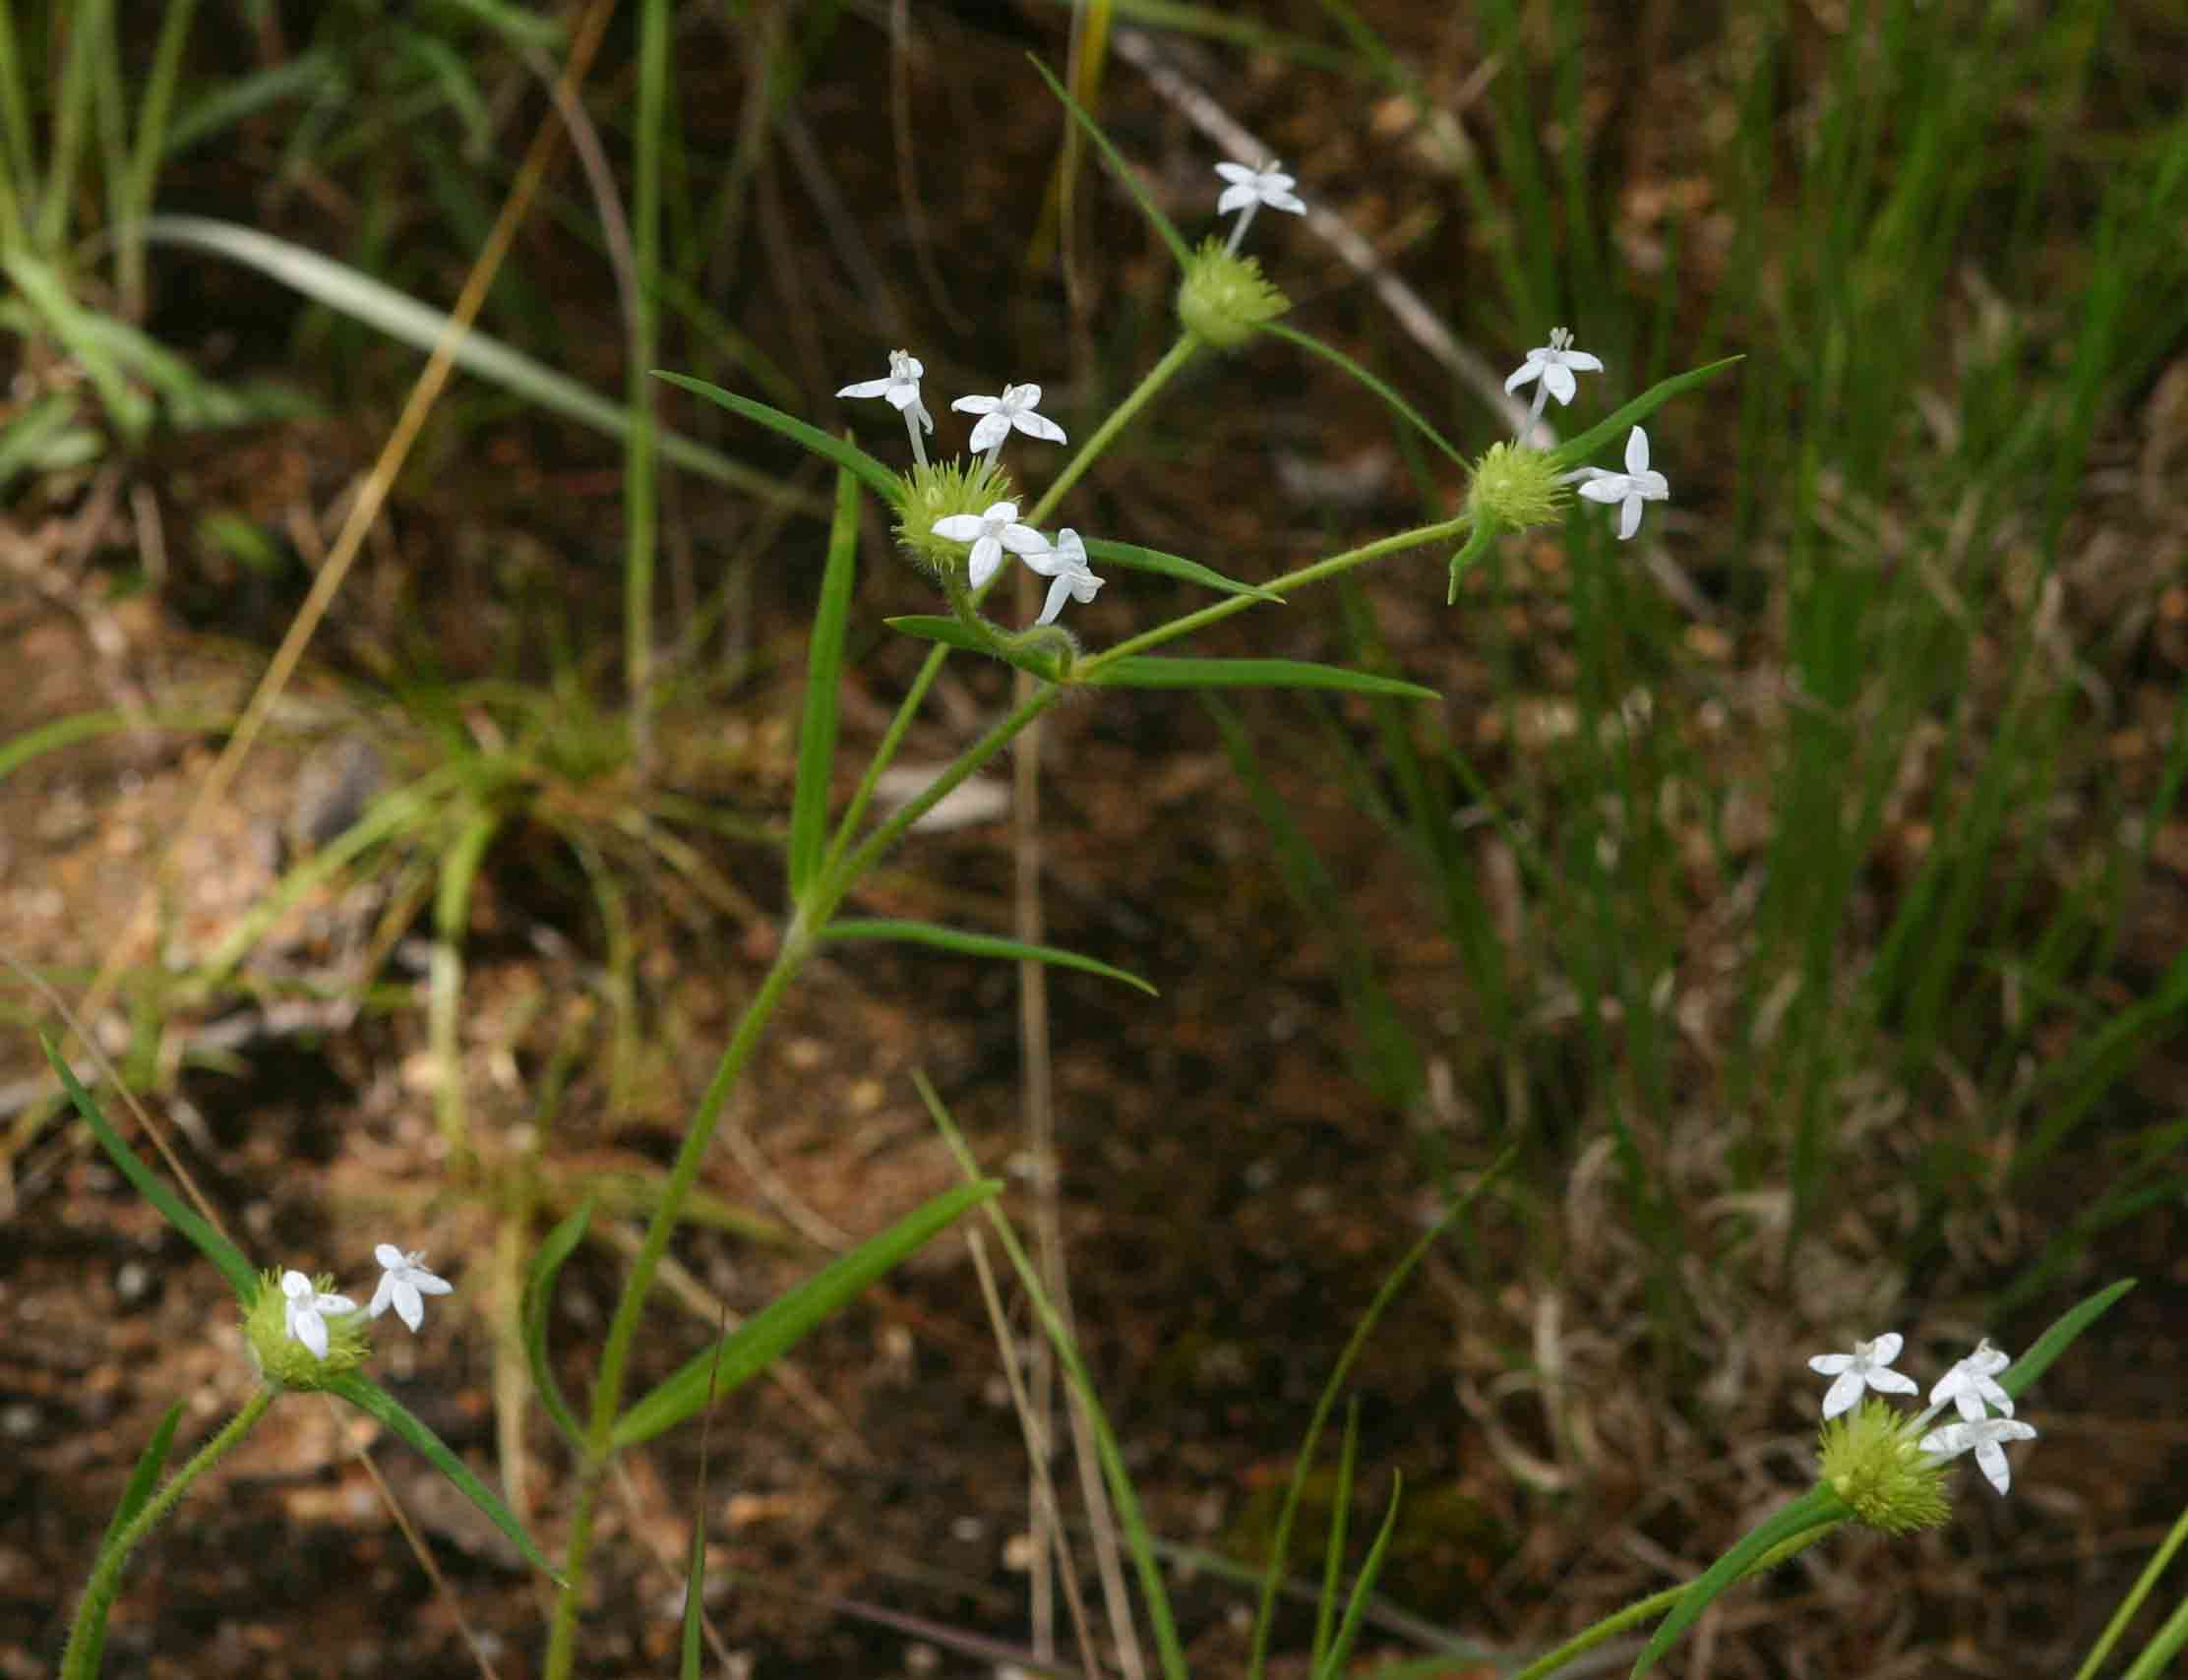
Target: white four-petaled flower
{"points": [[1867, 1366], [999, 415], [900, 389], [1249, 190], [990, 533], [1630, 487], [1553, 364], [403, 1284], [1985, 1437], [307, 1310], [1066, 565], [1972, 1385]]}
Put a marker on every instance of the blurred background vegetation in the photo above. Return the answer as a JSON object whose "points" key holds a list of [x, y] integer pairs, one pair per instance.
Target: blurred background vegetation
{"points": [[1803, 886]]}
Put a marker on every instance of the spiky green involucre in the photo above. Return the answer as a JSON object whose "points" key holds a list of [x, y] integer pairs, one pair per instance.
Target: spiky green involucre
{"points": [[1870, 1460], [1515, 488], [1224, 298], [937, 492], [286, 1361]]}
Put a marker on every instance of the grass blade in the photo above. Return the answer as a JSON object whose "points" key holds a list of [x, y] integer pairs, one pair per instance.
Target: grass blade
{"points": [[376, 1402], [808, 804], [242, 1278], [1155, 217], [1363, 1588], [767, 1335], [976, 945], [878, 478], [408, 322], [539, 1298]]}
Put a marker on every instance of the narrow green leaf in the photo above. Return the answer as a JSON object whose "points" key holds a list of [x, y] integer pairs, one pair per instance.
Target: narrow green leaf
{"points": [[1159, 671], [142, 1480], [787, 1320], [1818, 1508], [1110, 155], [408, 322], [1173, 566], [1272, 1572], [1340, 1527], [877, 477], [1363, 1590], [956, 632], [539, 1299], [129, 409], [242, 1276], [1404, 409], [976, 945], [694, 1579], [1574, 450], [809, 805], [376, 1402], [2056, 1340]]}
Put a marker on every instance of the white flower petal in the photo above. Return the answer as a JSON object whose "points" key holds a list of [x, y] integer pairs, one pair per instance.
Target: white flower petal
{"points": [[1558, 377], [1637, 463], [1039, 426], [986, 555], [960, 527], [1235, 172], [867, 388], [991, 431]]}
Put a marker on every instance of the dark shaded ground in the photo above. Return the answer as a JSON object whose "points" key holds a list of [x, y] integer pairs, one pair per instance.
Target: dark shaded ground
{"points": [[1233, 1195]]}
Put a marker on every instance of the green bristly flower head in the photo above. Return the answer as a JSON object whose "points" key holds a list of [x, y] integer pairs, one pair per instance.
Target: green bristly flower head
{"points": [[1224, 298], [302, 1335], [1515, 488], [940, 491], [1870, 1459]]}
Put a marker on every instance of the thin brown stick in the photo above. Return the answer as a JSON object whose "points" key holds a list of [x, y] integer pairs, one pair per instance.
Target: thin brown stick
{"points": [[1036, 1430]]}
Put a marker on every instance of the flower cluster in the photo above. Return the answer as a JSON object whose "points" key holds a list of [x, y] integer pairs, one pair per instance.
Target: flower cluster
{"points": [[304, 1334], [1888, 1466]]}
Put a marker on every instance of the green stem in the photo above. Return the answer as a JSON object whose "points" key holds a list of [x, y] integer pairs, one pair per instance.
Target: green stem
{"points": [[640, 492], [1647, 1609], [80, 1660], [1306, 575], [1158, 376]]}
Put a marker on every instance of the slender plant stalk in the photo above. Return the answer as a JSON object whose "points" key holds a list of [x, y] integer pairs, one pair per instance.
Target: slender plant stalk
{"points": [[144, 162], [1122, 415], [17, 178], [90, 35], [80, 1660], [640, 492]]}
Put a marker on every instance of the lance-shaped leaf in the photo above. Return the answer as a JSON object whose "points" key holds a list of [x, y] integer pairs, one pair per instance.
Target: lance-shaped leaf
{"points": [[877, 477], [1573, 451], [2056, 1340], [142, 1480], [1818, 1508], [772, 1332], [1110, 155], [1139, 558], [403, 319], [1158, 671], [376, 1402], [242, 1278], [808, 804], [539, 1297], [976, 945]]}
